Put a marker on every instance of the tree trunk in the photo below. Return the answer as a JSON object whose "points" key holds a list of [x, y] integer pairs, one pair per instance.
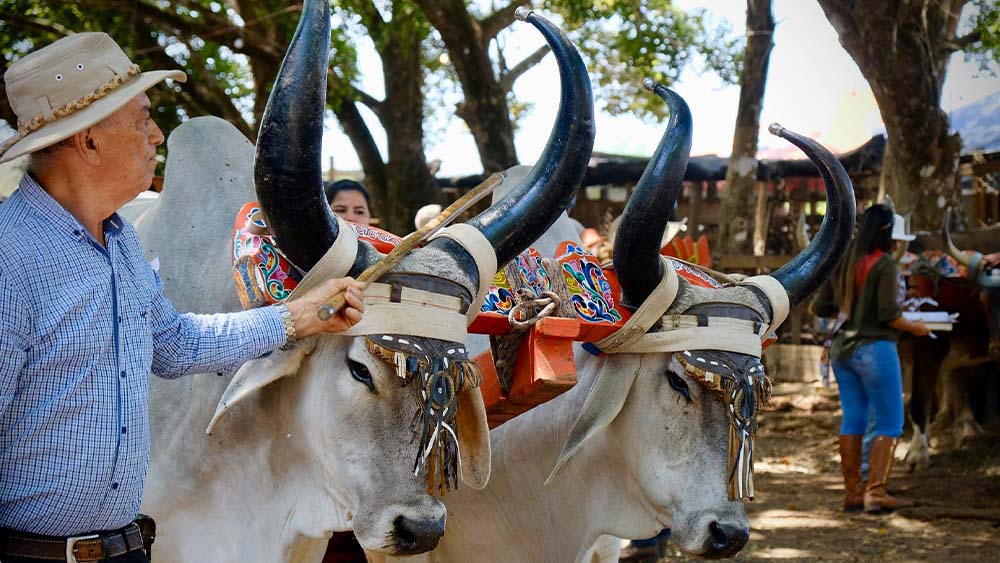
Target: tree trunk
{"points": [[902, 49], [484, 108], [741, 175], [409, 184]]}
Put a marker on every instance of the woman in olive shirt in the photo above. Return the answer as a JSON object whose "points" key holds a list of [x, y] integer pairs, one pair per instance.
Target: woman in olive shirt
{"points": [[863, 297]]}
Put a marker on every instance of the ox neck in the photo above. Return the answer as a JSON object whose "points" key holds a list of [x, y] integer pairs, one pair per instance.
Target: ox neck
{"points": [[522, 515]]}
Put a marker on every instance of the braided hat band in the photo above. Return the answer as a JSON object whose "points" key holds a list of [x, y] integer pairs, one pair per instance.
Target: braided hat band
{"points": [[42, 120]]}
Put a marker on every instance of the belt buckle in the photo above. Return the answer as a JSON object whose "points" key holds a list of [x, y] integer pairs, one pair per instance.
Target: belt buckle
{"points": [[71, 546]]}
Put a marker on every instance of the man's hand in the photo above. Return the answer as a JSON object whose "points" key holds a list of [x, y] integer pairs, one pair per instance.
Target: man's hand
{"points": [[992, 260], [304, 309]]}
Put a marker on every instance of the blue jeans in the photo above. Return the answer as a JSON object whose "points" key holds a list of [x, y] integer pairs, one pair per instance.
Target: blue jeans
{"points": [[871, 376]]}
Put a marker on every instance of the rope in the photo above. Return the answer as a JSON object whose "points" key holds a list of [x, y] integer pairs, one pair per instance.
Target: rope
{"points": [[68, 109], [532, 309]]}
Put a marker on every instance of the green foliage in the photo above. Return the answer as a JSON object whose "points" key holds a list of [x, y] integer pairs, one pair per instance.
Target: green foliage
{"points": [[986, 26], [628, 40], [223, 49]]}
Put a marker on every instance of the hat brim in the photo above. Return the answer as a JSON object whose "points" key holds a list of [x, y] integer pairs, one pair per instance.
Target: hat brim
{"points": [[94, 113], [904, 237]]}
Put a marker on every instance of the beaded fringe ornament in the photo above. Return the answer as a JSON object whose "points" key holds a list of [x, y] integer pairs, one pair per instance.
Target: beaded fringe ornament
{"points": [[744, 390], [442, 370]]}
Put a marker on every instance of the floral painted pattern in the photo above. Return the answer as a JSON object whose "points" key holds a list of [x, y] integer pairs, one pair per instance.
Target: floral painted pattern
{"points": [[277, 275], [589, 287]]}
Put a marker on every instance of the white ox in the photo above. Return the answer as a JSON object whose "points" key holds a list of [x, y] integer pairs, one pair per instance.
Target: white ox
{"points": [[323, 437], [313, 453], [654, 452]]}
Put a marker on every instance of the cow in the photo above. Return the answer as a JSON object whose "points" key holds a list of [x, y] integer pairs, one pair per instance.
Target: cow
{"points": [[940, 372], [640, 443], [324, 437]]}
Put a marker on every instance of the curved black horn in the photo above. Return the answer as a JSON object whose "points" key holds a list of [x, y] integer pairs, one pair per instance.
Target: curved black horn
{"points": [[807, 271], [287, 168], [960, 256], [530, 209], [637, 243]]}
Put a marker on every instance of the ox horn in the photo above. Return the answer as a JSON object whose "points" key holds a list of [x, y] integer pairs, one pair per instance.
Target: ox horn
{"points": [[532, 207], [959, 255], [287, 168], [637, 243], [807, 271]]}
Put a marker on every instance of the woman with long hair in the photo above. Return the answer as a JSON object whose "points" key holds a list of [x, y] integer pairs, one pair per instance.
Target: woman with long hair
{"points": [[862, 295]]}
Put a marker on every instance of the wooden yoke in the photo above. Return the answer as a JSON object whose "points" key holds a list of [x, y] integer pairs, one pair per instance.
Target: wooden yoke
{"points": [[544, 370]]}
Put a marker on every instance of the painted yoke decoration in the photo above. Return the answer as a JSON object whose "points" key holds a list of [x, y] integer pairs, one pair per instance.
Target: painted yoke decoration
{"points": [[544, 366]]}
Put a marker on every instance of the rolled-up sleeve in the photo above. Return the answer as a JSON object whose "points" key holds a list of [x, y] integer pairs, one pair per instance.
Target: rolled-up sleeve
{"points": [[189, 343], [888, 290], [15, 327]]}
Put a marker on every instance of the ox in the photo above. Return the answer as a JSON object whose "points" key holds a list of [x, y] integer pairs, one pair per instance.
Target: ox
{"points": [[330, 443], [940, 372], [645, 443]]}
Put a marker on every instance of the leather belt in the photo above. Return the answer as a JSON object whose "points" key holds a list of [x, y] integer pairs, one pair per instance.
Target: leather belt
{"points": [[87, 548]]}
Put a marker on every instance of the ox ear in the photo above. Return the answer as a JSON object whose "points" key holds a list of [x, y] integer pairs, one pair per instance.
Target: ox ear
{"points": [[474, 438], [604, 402], [260, 372]]}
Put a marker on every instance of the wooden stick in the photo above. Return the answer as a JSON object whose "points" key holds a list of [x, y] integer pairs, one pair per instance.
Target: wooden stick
{"points": [[415, 238]]}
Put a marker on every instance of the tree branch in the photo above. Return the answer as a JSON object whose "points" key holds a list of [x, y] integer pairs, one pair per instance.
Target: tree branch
{"points": [[508, 78], [493, 24], [37, 23], [377, 106], [963, 42]]}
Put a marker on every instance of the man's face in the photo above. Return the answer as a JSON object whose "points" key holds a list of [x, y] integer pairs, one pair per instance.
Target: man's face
{"points": [[128, 152]]}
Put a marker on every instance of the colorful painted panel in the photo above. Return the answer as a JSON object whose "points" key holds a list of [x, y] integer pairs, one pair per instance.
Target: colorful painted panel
{"points": [[499, 299], [593, 296], [383, 241], [276, 276]]}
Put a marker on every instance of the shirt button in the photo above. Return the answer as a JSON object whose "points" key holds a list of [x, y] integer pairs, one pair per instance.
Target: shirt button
{"points": [[123, 374], [124, 429], [119, 318], [114, 486]]}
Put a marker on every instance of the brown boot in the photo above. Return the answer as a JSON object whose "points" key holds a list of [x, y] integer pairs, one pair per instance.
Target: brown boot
{"points": [[877, 498], [850, 466]]}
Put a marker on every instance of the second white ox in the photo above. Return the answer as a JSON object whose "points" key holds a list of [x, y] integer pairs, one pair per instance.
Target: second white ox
{"points": [[645, 439]]}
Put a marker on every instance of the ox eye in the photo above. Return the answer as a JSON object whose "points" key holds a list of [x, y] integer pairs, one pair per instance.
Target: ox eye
{"points": [[359, 372], [678, 384]]}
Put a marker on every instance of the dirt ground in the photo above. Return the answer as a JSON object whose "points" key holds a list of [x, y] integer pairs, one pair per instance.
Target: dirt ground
{"points": [[796, 515]]}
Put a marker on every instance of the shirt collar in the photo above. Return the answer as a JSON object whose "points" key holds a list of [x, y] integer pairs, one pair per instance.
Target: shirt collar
{"points": [[53, 212]]}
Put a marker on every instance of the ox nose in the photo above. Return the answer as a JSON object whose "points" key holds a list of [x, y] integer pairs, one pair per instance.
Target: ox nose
{"points": [[725, 540], [416, 535]]}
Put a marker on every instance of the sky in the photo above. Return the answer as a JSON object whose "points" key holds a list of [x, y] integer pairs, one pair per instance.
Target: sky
{"points": [[813, 87]]}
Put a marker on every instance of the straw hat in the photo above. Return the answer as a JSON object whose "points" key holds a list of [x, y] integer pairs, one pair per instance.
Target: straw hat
{"points": [[68, 86]]}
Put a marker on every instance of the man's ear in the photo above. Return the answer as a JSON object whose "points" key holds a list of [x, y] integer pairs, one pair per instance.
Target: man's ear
{"points": [[87, 144]]}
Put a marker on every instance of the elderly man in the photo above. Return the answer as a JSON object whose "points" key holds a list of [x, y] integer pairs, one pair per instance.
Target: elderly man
{"points": [[83, 319]]}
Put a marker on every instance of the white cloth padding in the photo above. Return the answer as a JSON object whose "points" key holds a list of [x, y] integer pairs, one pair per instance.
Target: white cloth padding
{"points": [[481, 250], [336, 263], [646, 315], [776, 294], [418, 313]]}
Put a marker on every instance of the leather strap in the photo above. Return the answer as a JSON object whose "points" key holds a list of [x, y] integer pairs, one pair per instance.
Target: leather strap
{"points": [[775, 293], [54, 548], [482, 252], [336, 263], [646, 315]]}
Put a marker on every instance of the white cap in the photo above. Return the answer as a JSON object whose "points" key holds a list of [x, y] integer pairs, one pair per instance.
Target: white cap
{"points": [[899, 228], [425, 214]]}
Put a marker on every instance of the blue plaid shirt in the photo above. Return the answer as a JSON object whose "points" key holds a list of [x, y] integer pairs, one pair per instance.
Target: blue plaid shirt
{"points": [[81, 328]]}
